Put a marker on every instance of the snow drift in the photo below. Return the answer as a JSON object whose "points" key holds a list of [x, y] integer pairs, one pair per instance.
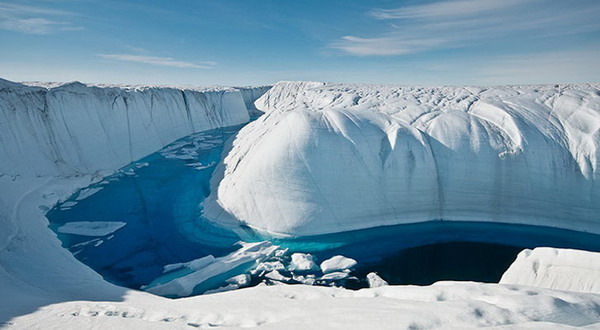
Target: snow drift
{"points": [[330, 157]]}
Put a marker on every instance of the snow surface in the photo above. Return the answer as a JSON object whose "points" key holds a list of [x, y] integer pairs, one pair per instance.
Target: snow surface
{"points": [[444, 305], [89, 228], [561, 269], [43, 286], [334, 157]]}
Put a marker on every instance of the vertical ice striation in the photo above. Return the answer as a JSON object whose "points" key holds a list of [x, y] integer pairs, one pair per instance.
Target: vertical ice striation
{"points": [[75, 128]]}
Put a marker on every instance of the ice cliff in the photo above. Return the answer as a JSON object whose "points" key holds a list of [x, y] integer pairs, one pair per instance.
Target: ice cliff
{"points": [[332, 157], [75, 128]]}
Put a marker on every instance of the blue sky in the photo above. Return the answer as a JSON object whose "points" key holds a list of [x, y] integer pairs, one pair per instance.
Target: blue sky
{"points": [[249, 42]]}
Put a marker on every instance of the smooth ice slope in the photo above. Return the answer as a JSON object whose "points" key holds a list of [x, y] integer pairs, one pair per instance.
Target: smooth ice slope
{"points": [[560, 269], [328, 158]]}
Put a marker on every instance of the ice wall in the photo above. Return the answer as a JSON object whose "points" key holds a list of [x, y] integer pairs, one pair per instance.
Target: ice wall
{"points": [[77, 129], [560, 269], [251, 94], [331, 157]]}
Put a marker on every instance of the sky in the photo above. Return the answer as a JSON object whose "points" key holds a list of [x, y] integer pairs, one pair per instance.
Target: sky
{"points": [[254, 42]]}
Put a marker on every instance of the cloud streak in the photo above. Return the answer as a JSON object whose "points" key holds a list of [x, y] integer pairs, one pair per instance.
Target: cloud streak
{"points": [[34, 20], [457, 8], [463, 23], [160, 61]]}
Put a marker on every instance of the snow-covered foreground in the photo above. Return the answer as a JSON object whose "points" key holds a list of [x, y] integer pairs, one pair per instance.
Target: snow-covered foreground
{"points": [[444, 305], [332, 157], [57, 139]]}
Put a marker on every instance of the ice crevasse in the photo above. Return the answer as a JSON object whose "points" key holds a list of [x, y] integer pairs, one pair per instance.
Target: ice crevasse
{"points": [[334, 157]]}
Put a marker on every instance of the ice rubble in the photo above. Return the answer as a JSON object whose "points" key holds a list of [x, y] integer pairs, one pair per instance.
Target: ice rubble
{"points": [[333, 157], [561, 269], [206, 269]]}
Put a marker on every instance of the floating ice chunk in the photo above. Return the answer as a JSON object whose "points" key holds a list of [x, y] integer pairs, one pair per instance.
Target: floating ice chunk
{"points": [[82, 244], [68, 205], [276, 276], [337, 263], [91, 228], [193, 265], [335, 276], [375, 281], [302, 262], [270, 266], [85, 193], [240, 280], [221, 269], [309, 279]]}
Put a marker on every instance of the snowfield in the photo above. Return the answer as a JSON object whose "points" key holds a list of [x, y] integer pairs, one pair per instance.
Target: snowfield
{"points": [[329, 158], [526, 154]]}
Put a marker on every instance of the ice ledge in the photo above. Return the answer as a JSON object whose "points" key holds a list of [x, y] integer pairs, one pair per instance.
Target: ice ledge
{"points": [[560, 269]]}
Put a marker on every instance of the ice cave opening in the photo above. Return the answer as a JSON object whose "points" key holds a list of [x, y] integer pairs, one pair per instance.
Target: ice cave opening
{"points": [[142, 228]]}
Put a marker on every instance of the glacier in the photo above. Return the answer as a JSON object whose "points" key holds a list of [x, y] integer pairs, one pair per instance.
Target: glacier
{"points": [[329, 158], [58, 138], [560, 269]]}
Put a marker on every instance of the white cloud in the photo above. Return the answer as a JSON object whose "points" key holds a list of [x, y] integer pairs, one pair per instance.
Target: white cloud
{"points": [[34, 20], [454, 8], [385, 45], [162, 61], [462, 23]]}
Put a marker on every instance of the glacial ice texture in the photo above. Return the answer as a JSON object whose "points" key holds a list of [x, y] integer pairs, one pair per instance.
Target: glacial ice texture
{"points": [[330, 157]]}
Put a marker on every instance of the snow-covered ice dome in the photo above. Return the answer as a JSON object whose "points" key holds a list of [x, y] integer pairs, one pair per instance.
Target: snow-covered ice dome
{"points": [[334, 157]]}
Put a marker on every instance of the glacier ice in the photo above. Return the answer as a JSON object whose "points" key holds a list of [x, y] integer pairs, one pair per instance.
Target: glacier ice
{"points": [[561, 269], [48, 288], [337, 263], [58, 138], [66, 129], [375, 280], [212, 269], [302, 262], [91, 228], [333, 157]]}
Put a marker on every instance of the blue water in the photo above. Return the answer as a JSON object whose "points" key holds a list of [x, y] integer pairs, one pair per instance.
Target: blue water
{"points": [[159, 198]]}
